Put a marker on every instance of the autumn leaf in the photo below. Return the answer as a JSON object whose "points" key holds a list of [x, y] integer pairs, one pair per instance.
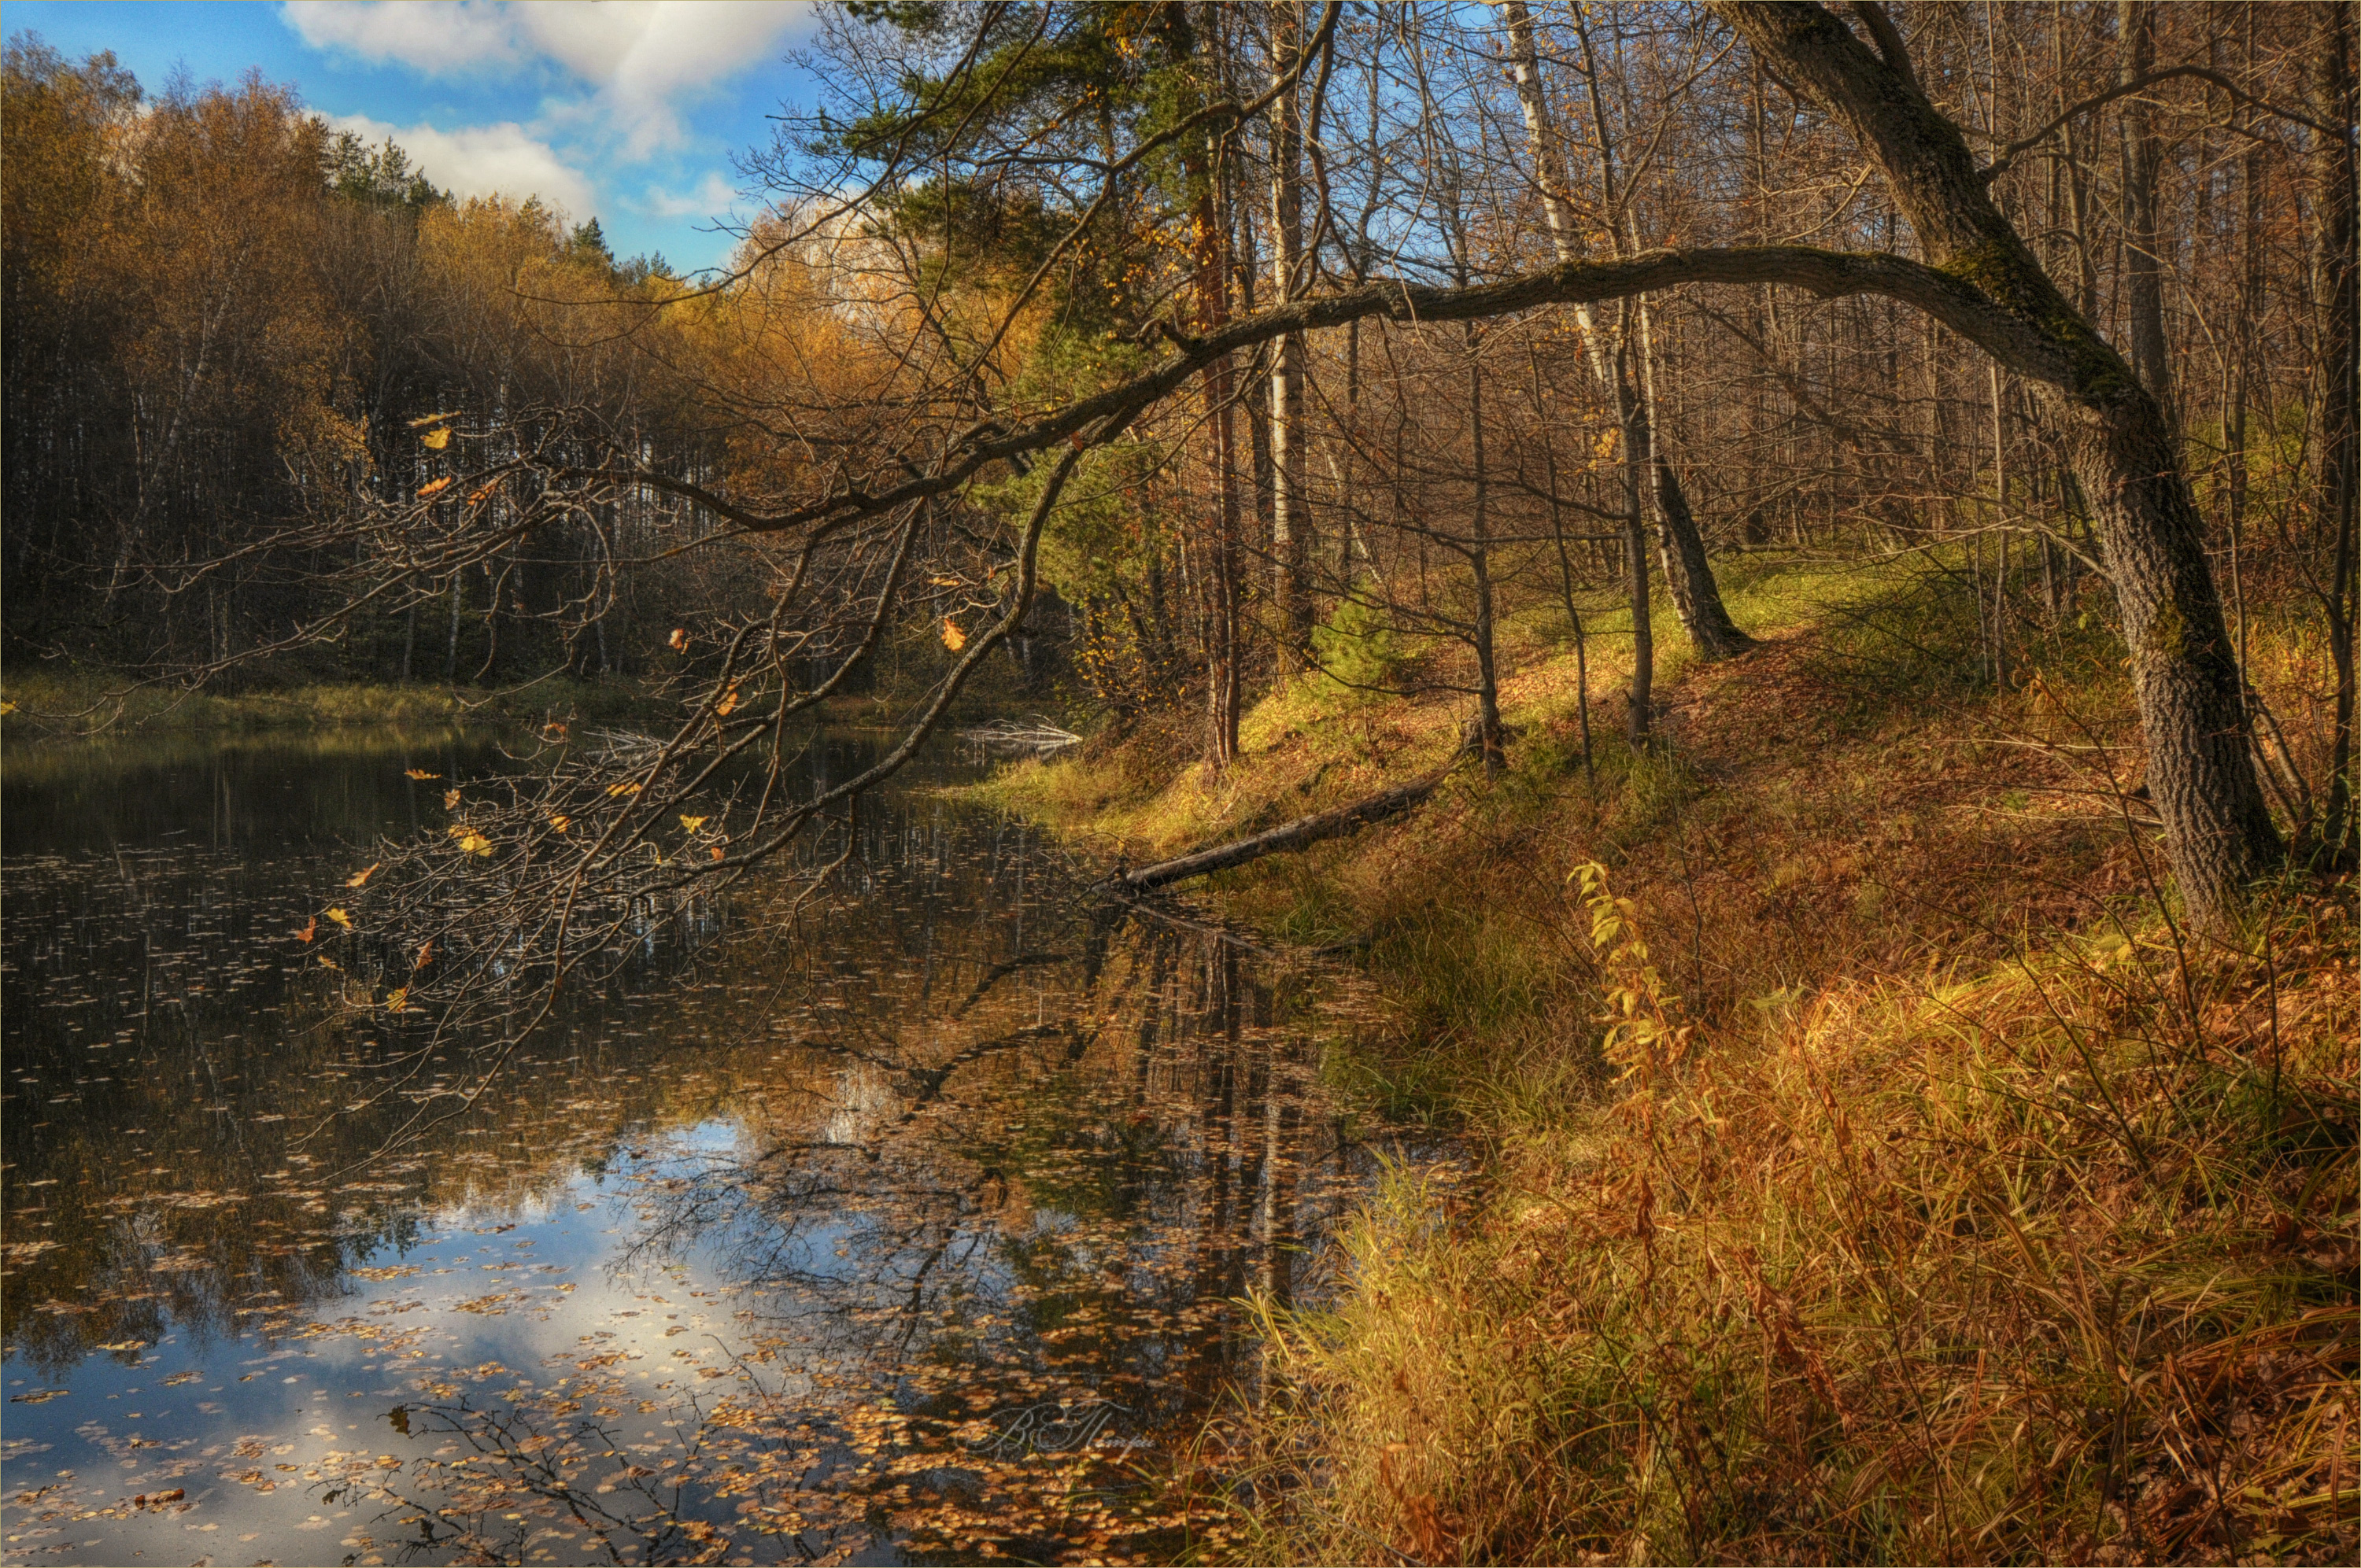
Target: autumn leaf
{"points": [[433, 419], [436, 440], [469, 841], [953, 638], [443, 483], [341, 918], [450, 800], [425, 956], [395, 998], [419, 774], [623, 789], [716, 852], [729, 700], [478, 496], [310, 930], [554, 729], [360, 878], [692, 823], [8, 708], [678, 640], [327, 962], [944, 581], [561, 821]]}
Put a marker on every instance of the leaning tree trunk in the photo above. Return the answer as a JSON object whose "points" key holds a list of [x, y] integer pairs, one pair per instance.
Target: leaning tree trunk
{"points": [[2184, 671], [1697, 596]]}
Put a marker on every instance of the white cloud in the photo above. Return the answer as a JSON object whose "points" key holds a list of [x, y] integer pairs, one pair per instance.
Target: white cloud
{"points": [[482, 160], [639, 58], [712, 198], [432, 36]]}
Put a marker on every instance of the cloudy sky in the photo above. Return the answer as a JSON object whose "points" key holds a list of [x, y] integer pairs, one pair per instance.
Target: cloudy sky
{"points": [[627, 110]]}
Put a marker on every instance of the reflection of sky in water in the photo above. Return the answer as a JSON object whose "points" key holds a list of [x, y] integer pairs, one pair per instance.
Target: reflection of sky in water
{"points": [[737, 1274]]}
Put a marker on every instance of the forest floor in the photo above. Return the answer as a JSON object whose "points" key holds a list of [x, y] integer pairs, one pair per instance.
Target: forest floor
{"points": [[1877, 1168]]}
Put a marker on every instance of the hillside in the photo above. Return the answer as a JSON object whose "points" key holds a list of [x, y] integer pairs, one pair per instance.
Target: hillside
{"points": [[1878, 1170]]}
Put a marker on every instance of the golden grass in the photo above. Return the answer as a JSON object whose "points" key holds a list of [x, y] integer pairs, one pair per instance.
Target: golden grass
{"points": [[1979, 1215]]}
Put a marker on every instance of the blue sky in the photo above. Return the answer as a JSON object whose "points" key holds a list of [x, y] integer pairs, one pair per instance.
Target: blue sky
{"points": [[627, 110]]}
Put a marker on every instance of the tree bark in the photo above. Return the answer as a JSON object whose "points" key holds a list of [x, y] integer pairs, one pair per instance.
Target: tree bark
{"points": [[2143, 159], [2184, 671], [1290, 532], [2340, 404]]}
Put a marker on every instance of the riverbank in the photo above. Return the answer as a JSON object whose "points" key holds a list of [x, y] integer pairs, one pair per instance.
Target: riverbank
{"points": [[43, 702], [1932, 1194]]}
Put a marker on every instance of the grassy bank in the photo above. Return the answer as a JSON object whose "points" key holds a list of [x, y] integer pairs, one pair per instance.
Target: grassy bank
{"points": [[1877, 1170], [46, 703]]}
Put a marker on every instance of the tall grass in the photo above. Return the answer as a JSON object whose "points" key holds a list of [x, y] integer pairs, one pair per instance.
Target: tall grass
{"points": [[2056, 1265]]}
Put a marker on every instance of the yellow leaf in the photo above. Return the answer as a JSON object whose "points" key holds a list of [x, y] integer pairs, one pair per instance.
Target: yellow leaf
{"points": [[419, 774], [561, 821], [395, 999], [436, 440], [443, 483], [623, 789], [953, 638], [341, 918], [679, 638], [692, 823], [8, 708], [475, 843], [450, 800], [729, 700], [327, 962], [476, 497], [433, 419], [358, 878]]}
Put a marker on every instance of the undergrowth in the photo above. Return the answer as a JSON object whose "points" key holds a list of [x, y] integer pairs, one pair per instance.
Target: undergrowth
{"points": [[1876, 1170]]}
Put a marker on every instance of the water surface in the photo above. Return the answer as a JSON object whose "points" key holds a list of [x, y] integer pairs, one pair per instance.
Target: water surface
{"points": [[913, 1230]]}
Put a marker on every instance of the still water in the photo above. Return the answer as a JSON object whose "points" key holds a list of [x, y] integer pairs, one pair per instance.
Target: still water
{"points": [[917, 1227]]}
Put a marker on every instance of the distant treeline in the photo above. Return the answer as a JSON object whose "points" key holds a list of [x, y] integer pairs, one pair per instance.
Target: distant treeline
{"points": [[225, 317]]}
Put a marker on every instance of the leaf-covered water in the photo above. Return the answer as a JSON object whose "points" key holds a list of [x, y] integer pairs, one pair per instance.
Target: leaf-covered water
{"points": [[913, 1229]]}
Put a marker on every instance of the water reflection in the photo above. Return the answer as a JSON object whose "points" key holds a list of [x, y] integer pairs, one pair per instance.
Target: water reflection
{"points": [[906, 1227]]}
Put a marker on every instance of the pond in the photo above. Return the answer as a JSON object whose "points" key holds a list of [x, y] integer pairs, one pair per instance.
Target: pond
{"points": [[915, 1227]]}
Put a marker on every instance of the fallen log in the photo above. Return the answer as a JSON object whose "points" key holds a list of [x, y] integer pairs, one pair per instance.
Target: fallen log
{"points": [[1299, 834]]}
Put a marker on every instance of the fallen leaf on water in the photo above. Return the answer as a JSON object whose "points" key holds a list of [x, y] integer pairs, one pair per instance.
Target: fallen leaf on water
{"points": [[358, 878], [953, 638], [341, 918], [420, 773]]}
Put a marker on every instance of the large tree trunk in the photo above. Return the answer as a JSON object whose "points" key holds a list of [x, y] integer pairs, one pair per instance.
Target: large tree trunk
{"points": [[1697, 596], [2184, 671]]}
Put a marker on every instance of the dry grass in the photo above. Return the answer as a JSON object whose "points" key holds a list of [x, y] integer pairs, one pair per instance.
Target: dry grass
{"points": [[1979, 1215]]}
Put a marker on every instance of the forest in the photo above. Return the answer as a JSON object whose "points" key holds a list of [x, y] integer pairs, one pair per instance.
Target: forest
{"points": [[1780, 578]]}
